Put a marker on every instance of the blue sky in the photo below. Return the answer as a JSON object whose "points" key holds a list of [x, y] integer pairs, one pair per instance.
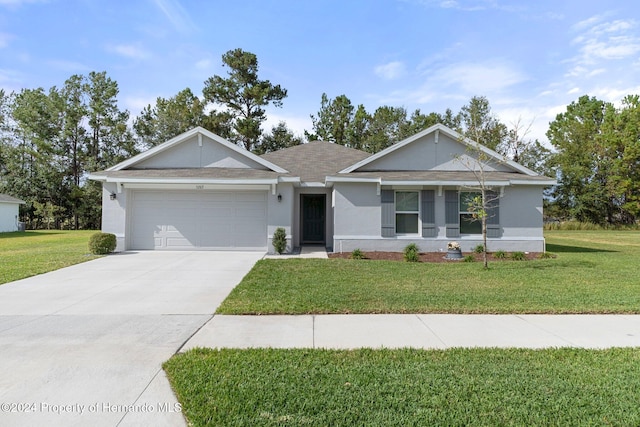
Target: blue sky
{"points": [[529, 58]]}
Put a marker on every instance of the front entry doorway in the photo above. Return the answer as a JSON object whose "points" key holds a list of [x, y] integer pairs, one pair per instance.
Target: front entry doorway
{"points": [[313, 218]]}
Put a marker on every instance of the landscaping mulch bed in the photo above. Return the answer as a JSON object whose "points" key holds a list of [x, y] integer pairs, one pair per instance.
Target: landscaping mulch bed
{"points": [[428, 256]]}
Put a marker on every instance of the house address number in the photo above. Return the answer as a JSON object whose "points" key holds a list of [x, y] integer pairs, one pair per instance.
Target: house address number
{"points": [[199, 187]]}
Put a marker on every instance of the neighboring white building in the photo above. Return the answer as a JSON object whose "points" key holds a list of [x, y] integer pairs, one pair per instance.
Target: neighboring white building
{"points": [[200, 191], [9, 213]]}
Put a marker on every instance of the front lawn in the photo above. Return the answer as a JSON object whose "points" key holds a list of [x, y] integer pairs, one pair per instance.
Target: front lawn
{"points": [[484, 387], [25, 254], [594, 272]]}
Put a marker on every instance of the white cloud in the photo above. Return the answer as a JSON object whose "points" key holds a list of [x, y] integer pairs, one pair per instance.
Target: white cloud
{"points": [[611, 40], [573, 90], [466, 5], [588, 22], [129, 51], [297, 124], [478, 78], [135, 104], [203, 64], [390, 71], [176, 14]]}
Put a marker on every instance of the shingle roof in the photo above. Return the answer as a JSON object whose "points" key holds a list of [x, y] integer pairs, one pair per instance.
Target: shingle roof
{"points": [[313, 161], [5, 198]]}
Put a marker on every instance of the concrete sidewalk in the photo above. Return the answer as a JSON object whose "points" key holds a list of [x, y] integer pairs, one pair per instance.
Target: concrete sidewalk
{"points": [[427, 331]]}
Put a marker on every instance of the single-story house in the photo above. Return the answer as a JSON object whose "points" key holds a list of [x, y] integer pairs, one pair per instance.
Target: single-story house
{"points": [[9, 207], [200, 191]]}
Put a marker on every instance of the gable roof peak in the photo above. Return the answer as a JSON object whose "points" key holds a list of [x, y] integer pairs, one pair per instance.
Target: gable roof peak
{"points": [[439, 127], [196, 131]]}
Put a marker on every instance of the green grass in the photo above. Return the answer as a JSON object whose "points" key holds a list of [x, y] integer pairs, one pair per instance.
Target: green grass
{"points": [[481, 387], [25, 254], [594, 272]]}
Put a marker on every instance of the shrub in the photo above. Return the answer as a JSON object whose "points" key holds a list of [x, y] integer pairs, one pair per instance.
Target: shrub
{"points": [[279, 241], [411, 253], [500, 254], [357, 254], [546, 255], [479, 249], [517, 256], [102, 243], [468, 258]]}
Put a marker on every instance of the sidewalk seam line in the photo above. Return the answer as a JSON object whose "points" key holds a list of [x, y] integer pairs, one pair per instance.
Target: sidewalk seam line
{"points": [[572, 344], [432, 331], [191, 336]]}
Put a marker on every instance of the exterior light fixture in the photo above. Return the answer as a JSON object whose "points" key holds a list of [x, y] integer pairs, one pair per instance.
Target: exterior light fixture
{"points": [[279, 198], [112, 196]]}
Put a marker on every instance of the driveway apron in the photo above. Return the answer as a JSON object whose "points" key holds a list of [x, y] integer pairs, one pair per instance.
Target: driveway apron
{"points": [[84, 345]]}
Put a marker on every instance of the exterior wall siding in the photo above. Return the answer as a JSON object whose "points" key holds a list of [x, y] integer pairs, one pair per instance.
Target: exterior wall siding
{"points": [[426, 154], [190, 155]]}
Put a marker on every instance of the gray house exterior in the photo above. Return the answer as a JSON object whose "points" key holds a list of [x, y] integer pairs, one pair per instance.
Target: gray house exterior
{"points": [[199, 191]]}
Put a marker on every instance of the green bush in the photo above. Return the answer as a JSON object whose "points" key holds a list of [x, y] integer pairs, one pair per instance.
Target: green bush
{"points": [[279, 241], [500, 254], [518, 256], [102, 243], [357, 254], [411, 253], [479, 249], [546, 255], [469, 258]]}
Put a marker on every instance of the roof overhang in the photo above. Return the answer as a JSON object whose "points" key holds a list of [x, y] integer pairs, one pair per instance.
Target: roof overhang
{"points": [[438, 183], [129, 181]]}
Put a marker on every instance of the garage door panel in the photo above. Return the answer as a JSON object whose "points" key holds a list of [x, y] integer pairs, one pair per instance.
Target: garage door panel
{"points": [[198, 220]]}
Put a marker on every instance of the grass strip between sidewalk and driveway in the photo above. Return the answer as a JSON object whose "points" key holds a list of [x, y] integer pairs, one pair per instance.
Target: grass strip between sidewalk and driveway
{"points": [[487, 387], [594, 272], [25, 254]]}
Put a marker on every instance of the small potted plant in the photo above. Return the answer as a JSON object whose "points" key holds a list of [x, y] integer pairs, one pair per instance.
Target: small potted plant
{"points": [[454, 251]]}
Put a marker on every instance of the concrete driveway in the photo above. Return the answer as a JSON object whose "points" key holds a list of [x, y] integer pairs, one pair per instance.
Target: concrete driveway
{"points": [[84, 345]]}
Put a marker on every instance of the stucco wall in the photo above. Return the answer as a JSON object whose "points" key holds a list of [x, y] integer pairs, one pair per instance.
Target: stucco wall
{"points": [[280, 214], [521, 212], [357, 210], [358, 222], [8, 217], [114, 213]]}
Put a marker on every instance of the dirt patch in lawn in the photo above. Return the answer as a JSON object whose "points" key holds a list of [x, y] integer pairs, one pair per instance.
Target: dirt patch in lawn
{"points": [[429, 256]]}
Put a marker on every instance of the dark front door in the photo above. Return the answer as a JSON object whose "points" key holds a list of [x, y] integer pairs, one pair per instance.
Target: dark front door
{"points": [[313, 212]]}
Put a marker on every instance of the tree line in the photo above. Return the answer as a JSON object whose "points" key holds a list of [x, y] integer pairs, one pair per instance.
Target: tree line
{"points": [[51, 139]]}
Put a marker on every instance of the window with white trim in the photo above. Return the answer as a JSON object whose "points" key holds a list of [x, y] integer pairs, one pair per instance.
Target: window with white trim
{"points": [[469, 223], [407, 206]]}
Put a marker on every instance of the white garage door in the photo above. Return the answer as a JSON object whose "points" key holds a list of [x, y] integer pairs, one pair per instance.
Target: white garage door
{"points": [[199, 220]]}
